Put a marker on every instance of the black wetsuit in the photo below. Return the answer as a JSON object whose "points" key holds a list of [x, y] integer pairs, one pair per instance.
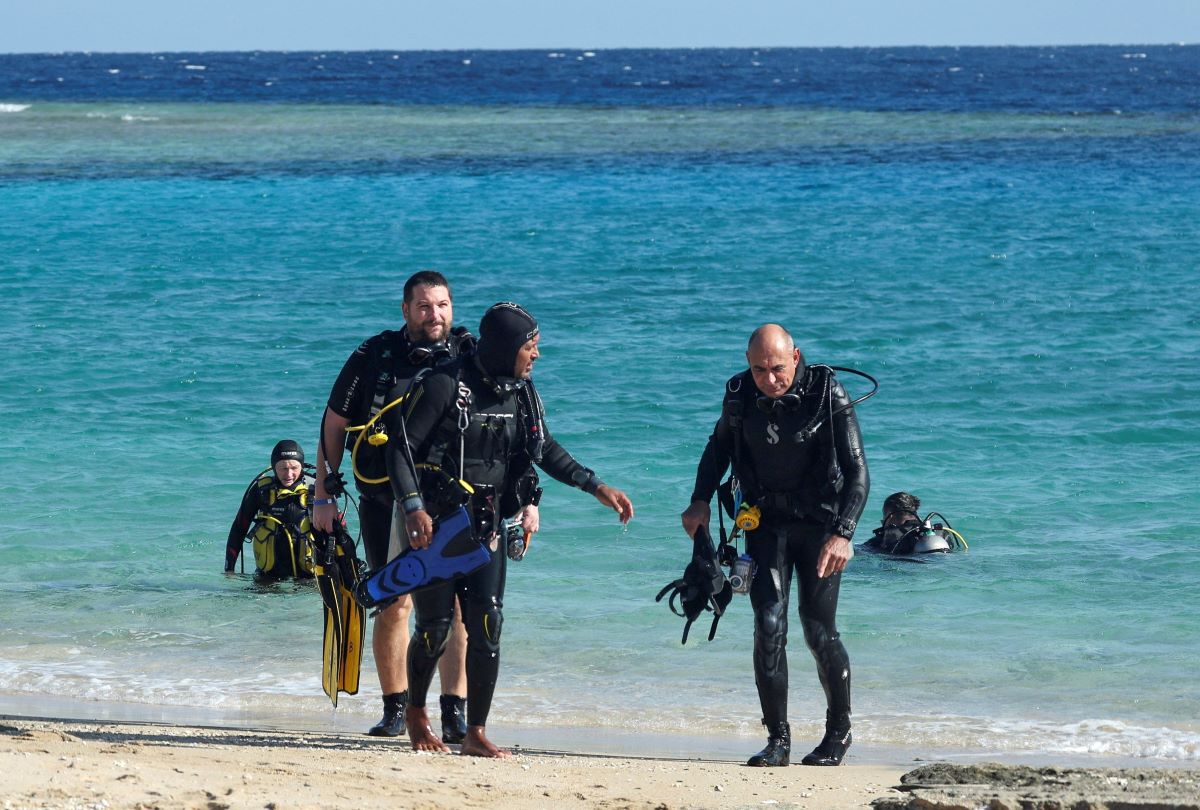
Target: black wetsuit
{"points": [[902, 539], [369, 378], [497, 452], [807, 490]]}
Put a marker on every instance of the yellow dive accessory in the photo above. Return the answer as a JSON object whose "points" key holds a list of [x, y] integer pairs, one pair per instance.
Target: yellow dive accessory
{"points": [[376, 437], [344, 619], [960, 538], [263, 540], [748, 517], [267, 526]]}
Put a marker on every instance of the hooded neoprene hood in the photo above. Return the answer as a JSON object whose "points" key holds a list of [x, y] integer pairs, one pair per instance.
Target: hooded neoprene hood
{"points": [[287, 450], [505, 328]]}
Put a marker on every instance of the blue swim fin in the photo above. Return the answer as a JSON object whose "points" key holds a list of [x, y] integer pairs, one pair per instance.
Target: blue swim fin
{"points": [[452, 552]]}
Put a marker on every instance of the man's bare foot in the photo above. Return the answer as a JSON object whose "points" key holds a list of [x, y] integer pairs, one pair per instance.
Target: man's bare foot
{"points": [[478, 745], [422, 736]]}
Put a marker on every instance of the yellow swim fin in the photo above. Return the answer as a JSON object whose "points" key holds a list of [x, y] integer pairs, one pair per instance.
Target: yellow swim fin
{"points": [[353, 628], [344, 621], [331, 667]]}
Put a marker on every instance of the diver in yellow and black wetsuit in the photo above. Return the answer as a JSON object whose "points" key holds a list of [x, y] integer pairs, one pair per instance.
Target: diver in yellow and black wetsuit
{"points": [[275, 513]]}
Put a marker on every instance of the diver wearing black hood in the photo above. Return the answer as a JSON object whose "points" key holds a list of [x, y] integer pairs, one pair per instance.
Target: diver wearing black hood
{"points": [[479, 419], [274, 513], [791, 435]]}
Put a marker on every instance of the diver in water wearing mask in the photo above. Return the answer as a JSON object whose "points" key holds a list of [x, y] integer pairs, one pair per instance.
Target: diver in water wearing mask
{"points": [[904, 531]]}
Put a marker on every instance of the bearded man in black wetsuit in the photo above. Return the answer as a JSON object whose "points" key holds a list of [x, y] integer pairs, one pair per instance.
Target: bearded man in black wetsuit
{"points": [[792, 437], [481, 420], [381, 365]]}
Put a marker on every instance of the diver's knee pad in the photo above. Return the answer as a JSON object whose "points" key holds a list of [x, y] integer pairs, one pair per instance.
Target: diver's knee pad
{"points": [[429, 639], [818, 636], [770, 633], [484, 628]]}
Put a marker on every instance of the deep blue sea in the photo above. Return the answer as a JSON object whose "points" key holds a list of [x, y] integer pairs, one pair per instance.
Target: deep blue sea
{"points": [[191, 244]]}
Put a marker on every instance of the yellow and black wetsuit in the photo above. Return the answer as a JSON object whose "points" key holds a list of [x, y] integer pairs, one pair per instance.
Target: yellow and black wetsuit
{"points": [[278, 521]]}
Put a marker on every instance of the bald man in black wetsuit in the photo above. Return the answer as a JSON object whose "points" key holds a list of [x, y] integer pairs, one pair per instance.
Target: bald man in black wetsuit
{"points": [[792, 438]]}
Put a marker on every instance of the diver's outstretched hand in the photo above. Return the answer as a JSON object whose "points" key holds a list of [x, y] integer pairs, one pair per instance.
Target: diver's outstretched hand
{"points": [[696, 515], [615, 500]]}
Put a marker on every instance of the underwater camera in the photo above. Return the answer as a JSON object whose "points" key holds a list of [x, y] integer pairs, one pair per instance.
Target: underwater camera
{"points": [[514, 539], [741, 574]]}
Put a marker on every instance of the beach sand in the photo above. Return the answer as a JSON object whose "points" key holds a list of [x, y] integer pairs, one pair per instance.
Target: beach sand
{"points": [[101, 765], [74, 764]]}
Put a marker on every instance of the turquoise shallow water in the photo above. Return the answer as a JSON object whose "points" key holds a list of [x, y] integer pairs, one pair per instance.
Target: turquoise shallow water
{"points": [[183, 282]]}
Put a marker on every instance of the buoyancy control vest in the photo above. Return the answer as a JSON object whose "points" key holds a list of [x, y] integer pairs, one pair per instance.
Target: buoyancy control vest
{"points": [[491, 438], [281, 532], [802, 425], [392, 363]]}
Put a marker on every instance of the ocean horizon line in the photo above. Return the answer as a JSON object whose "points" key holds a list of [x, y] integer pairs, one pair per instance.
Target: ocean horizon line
{"points": [[609, 49]]}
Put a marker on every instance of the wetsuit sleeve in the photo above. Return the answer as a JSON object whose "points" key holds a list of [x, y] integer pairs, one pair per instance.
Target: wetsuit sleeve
{"points": [[562, 466], [350, 385], [241, 525], [714, 461], [853, 461], [432, 401]]}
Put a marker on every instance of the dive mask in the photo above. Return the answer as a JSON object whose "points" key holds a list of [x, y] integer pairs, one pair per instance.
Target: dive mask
{"points": [[430, 353], [786, 402]]}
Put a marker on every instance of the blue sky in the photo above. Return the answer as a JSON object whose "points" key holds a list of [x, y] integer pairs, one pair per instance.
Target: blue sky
{"points": [[163, 25]]}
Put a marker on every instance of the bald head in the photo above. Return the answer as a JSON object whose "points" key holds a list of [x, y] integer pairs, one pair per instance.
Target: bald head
{"points": [[773, 359], [772, 335]]}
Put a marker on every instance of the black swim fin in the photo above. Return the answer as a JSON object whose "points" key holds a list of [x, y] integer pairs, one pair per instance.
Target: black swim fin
{"points": [[702, 587], [451, 553], [337, 574]]}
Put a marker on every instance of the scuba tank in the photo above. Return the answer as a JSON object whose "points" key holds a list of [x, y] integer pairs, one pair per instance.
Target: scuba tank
{"points": [[929, 541]]}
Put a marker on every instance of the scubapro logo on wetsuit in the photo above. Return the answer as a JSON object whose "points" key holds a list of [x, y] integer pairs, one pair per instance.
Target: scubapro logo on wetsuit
{"points": [[772, 433]]}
